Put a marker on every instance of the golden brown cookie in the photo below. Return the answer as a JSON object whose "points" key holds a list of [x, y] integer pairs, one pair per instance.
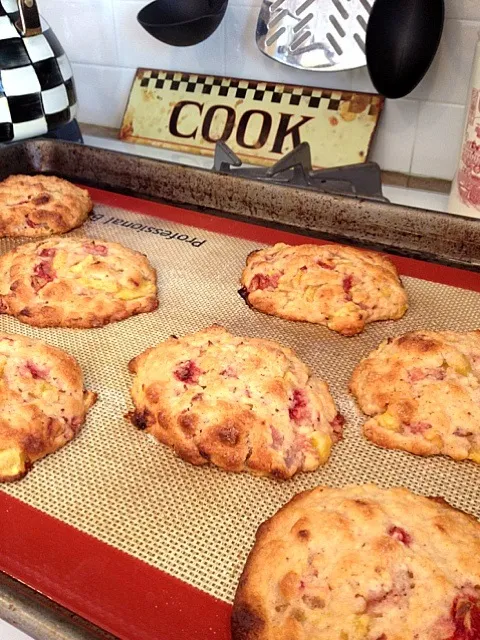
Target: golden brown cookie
{"points": [[340, 287], [38, 206], [422, 391], [42, 402], [75, 282], [362, 563], [243, 404]]}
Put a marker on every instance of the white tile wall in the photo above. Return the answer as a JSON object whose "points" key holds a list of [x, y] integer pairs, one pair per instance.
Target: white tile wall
{"points": [[85, 29], [103, 92], [438, 138], [418, 134], [398, 123], [448, 77], [462, 9]]}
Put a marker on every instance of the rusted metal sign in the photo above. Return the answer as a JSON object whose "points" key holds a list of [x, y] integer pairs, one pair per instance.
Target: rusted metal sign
{"points": [[260, 121]]}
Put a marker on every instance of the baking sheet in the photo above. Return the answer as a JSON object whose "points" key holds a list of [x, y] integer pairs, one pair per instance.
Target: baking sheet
{"points": [[198, 524]]}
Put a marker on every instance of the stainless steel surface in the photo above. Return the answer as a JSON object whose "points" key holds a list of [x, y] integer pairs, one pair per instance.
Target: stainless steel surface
{"points": [[319, 35], [41, 618], [427, 235]]}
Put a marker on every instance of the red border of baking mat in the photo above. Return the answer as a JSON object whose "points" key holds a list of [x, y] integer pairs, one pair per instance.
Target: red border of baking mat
{"points": [[112, 589], [407, 266]]}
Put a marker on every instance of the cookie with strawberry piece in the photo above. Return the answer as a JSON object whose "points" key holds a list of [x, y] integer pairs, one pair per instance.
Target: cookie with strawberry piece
{"points": [[422, 391], [242, 404], [75, 282], [342, 288], [362, 563], [43, 403], [39, 206]]}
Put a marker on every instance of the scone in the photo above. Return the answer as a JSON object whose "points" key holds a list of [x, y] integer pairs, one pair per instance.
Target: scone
{"points": [[362, 563], [243, 404], [339, 287], [422, 391], [75, 282], [38, 206], [42, 402]]}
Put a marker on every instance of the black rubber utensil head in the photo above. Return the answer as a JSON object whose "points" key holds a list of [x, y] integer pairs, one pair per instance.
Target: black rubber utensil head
{"points": [[182, 23], [402, 40]]}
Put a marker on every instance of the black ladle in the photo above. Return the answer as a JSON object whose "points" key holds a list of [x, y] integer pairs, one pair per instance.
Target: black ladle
{"points": [[402, 40], [182, 23]]}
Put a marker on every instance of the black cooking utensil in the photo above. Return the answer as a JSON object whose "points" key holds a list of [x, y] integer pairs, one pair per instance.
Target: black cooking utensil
{"points": [[182, 23], [402, 40]]}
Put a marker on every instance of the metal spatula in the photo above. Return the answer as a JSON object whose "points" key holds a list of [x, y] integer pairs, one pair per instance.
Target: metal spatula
{"points": [[319, 35]]}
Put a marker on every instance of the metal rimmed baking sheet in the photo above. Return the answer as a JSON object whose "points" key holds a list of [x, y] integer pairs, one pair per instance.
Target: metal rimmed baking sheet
{"points": [[198, 524]]}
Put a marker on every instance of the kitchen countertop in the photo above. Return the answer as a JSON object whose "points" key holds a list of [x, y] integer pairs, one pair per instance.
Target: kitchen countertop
{"points": [[398, 195], [7, 632]]}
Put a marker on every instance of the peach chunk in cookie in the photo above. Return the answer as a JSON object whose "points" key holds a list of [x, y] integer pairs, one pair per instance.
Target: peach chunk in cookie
{"points": [[242, 404], [361, 563], [42, 402], [339, 287], [422, 391], [75, 282]]}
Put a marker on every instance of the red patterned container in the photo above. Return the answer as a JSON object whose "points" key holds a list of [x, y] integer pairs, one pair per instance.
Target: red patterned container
{"points": [[465, 192]]}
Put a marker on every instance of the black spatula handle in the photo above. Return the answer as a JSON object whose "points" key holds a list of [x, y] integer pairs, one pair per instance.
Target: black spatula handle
{"points": [[401, 43]]}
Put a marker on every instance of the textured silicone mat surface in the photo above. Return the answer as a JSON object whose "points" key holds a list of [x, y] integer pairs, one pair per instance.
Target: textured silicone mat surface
{"points": [[198, 524]]}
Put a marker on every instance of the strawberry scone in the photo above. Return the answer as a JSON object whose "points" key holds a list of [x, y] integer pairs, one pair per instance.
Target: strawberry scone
{"points": [[362, 563], [75, 282], [422, 391], [38, 206], [242, 404], [339, 287], [42, 402]]}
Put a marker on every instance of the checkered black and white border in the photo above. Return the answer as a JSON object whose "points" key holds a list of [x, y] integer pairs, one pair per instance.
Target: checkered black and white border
{"points": [[243, 89], [37, 93]]}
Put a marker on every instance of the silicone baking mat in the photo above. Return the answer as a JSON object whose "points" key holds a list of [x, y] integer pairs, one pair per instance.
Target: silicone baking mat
{"points": [[198, 524]]}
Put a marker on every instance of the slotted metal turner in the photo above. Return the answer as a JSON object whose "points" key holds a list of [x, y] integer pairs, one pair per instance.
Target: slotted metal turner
{"points": [[319, 35]]}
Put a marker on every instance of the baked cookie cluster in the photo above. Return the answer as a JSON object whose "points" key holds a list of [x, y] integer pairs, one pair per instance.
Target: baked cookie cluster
{"points": [[361, 563], [55, 282], [43, 402], [75, 282], [339, 287], [243, 404], [39, 206], [351, 563], [422, 391]]}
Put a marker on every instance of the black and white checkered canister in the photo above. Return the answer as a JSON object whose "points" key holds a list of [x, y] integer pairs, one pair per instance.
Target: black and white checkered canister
{"points": [[37, 93]]}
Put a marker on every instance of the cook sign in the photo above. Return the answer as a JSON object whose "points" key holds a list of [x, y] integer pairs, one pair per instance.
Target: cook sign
{"points": [[260, 121]]}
